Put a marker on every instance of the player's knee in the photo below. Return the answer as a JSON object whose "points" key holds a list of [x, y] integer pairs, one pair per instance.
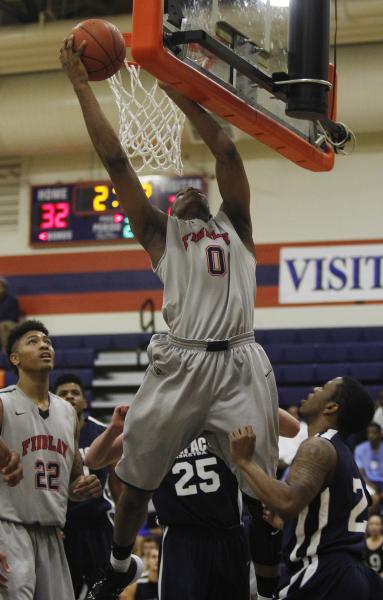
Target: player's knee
{"points": [[133, 499], [267, 570]]}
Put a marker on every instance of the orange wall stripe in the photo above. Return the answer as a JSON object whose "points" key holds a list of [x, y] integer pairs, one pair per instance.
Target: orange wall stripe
{"points": [[78, 262], [88, 303]]}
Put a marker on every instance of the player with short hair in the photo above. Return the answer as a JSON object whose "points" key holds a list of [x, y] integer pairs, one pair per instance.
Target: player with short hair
{"points": [[88, 529], [323, 500], [44, 430], [207, 374], [204, 550]]}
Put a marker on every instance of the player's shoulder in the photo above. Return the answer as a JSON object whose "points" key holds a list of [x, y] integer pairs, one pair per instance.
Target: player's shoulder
{"points": [[62, 405], [9, 390], [8, 393], [318, 448]]}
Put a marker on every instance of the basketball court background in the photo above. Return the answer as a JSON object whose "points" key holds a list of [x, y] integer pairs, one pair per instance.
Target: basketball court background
{"points": [[43, 141]]}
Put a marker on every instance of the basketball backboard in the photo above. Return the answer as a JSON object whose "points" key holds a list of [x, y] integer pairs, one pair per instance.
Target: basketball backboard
{"points": [[231, 56]]}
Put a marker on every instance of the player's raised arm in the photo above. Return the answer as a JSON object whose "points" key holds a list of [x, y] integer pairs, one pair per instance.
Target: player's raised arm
{"points": [[148, 223], [231, 177], [106, 449], [289, 426], [312, 469]]}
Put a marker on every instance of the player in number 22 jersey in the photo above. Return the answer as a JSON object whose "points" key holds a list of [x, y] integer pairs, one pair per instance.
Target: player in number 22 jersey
{"points": [[323, 501]]}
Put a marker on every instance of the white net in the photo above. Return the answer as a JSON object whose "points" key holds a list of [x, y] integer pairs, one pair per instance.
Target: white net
{"points": [[151, 124]]}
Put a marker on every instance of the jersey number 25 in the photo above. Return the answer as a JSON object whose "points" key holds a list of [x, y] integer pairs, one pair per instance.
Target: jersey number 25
{"points": [[209, 480]]}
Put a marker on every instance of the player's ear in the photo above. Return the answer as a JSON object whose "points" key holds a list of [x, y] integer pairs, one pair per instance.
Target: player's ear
{"points": [[331, 408], [14, 359]]}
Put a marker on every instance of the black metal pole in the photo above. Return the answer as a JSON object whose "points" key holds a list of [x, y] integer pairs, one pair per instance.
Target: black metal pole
{"points": [[308, 58]]}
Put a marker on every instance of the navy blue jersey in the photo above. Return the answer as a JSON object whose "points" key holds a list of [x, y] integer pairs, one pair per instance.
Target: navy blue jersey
{"points": [[198, 490], [90, 510], [336, 519], [374, 558]]}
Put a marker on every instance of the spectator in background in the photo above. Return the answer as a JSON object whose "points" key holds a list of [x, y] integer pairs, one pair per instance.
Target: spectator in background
{"points": [[148, 544], [89, 525], [288, 446], [146, 587], [369, 458], [378, 416], [9, 312], [373, 552]]}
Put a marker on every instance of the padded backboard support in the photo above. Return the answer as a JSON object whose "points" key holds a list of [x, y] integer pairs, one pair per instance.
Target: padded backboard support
{"points": [[148, 50]]}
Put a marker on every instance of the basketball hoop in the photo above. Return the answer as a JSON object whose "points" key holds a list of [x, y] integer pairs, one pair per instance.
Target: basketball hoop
{"points": [[151, 124]]}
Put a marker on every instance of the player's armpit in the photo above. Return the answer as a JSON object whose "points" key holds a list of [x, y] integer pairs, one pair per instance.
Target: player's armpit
{"points": [[311, 471]]}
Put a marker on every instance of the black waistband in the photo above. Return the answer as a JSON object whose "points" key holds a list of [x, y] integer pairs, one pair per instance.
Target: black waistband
{"points": [[217, 346]]}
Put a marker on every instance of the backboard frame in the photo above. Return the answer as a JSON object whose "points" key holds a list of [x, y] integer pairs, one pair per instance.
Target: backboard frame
{"points": [[148, 50]]}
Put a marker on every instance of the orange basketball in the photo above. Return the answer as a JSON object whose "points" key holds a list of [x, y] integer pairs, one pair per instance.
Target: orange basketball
{"points": [[104, 52]]}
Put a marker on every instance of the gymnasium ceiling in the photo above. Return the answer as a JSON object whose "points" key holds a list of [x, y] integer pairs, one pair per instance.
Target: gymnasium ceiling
{"points": [[360, 21]]}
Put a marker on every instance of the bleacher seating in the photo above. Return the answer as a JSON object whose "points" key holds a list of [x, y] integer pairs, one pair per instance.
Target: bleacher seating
{"points": [[112, 365]]}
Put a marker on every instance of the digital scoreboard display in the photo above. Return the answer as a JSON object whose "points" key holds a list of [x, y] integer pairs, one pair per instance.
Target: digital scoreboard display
{"points": [[77, 213]]}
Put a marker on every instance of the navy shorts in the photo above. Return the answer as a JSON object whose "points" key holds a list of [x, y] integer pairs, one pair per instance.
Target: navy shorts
{"points": [[87, 548], [334, 576], [201, 564]]}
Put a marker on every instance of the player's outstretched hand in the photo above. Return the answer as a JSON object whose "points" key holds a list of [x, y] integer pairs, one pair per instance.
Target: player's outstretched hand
{"points": [[71, 61], [242, 444], [271, 518], [4, 568], [118, 417], [86, 487], [12, 472]]}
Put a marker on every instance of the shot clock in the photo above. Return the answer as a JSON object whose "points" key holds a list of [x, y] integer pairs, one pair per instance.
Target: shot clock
{"points": [[86, 213]]}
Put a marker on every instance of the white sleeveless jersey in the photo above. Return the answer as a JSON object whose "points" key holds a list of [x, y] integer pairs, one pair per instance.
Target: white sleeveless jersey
{"points": [[45, 443], [209, 279]]}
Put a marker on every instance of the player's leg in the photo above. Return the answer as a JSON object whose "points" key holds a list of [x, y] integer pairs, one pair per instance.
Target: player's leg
{"points": [[162, 421], [184, 565], [98, 544], [230, 566], [247, 395], [265, 549], [53, 579], [16, 544], [76, 555], [334, 576]]}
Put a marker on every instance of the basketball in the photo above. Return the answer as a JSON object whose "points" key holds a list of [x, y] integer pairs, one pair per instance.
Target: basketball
{"points": [[104, 52]]}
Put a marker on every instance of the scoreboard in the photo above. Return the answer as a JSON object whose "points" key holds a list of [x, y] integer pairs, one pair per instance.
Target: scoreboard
{"points": [[86, 213]]}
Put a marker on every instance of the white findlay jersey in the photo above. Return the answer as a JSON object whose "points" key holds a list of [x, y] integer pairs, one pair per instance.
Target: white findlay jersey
{"points": [[45, 443], [209, 279]]}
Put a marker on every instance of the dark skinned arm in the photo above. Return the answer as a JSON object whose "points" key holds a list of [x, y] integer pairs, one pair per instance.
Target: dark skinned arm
{"points": [[310, 473], [147, 222], [231, 177]]}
